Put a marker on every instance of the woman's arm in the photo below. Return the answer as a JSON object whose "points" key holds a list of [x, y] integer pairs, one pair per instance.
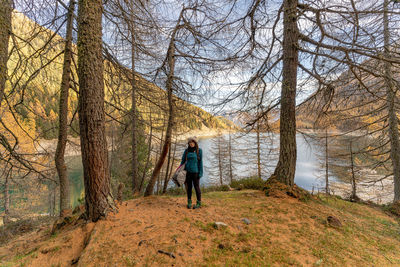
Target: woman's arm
{"points": [[200, 163], [183, 157]]}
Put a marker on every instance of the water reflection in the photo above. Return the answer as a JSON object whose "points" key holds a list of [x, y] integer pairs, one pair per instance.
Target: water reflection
{"points": [[310, 166]]}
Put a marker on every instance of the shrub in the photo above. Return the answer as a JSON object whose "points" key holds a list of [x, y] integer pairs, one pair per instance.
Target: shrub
{"points": [[248, 183]]}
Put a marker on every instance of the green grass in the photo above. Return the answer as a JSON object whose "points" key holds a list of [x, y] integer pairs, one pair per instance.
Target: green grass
{"points": [[282, 232], [362, 232]]}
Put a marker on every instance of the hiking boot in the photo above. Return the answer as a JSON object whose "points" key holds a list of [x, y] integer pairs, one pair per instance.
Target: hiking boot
{"points": [[189, 205], [198, 205]]}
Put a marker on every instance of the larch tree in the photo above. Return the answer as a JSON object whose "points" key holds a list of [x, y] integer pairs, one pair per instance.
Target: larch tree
{"points": [[286, 167], [170, 69], [393, 121], [65, 199], [6, 7], [98, 199]]}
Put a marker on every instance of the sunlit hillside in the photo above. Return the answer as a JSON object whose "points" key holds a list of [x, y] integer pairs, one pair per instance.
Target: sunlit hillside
{"points": [[35, 69]]}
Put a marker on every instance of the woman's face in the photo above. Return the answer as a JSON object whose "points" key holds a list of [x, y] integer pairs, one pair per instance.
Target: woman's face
{"points": [[192, 144]]}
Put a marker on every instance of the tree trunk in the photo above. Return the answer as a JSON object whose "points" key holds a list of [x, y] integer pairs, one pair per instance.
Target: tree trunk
{"points": [[6, 7], [173, 161], [326, 164], [286, 167], [166, 180], [353, 176], [220, 160], [135, 175], [148, 154], [230, 158], [258, 151], [167, 142], [98, 199], [390, 101], [65, 201], [52, 190], [6, 199]]}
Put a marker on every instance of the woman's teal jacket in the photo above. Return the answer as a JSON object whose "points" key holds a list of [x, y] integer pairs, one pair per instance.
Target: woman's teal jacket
{"points": [[193, 164]]}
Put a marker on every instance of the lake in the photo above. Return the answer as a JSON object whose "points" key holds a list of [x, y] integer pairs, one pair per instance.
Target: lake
{"points": [[308, 174], [310, 170]]}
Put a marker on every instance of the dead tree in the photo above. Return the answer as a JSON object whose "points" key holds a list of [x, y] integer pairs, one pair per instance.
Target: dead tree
{"points": [[170, 59]]}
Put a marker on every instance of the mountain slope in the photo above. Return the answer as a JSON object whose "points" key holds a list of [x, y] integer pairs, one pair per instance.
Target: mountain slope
{"points": [[35, 68]]}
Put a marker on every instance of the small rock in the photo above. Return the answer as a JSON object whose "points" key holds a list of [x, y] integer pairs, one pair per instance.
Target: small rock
{"points": [[246, 221], [180, 254], [313, 216], [141, 242], [334, 222], [246, 250], [175, 240], [221, 246], [220, 225], [318, 262]]}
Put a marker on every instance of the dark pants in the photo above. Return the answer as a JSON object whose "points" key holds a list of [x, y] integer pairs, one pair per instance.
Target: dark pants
{"points": [[192, 179]]}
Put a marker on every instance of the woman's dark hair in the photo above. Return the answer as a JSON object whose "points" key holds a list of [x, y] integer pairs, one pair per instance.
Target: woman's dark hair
{"points": [[196, 146]]}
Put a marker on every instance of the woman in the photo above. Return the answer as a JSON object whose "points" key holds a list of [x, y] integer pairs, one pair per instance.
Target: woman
{"points": [[194, 171]]}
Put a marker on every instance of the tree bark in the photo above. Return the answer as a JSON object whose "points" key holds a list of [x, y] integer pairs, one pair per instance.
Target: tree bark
{"points": [[230, 158], [220, 160], [258, 151], [135, 175], [286, 167], [148, 154], [166, 180], [98, 199], [353, 176], [65, 201], [6, 7], [6, 199], [326, 164], [171, 168], [168, 134], [390, 101]]}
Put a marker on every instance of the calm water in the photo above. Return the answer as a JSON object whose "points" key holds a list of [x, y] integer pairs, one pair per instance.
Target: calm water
{"points": [[244, 151], [308, 169]]}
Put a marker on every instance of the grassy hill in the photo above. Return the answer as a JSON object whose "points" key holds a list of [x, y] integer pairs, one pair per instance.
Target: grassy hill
{"points": [[283, 231]]}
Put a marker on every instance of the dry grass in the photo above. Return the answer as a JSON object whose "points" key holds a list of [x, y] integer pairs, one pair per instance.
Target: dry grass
{"points": [[283, 231]]}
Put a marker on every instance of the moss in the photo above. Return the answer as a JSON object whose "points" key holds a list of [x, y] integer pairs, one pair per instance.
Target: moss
{"points": [[248, 183]]}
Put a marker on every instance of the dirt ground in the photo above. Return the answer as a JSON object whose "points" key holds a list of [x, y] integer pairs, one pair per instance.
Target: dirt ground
{"points": [[161, 231]]}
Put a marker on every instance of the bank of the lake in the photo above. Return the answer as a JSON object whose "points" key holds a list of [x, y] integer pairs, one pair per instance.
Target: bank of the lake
{"points": [[238, 228]]}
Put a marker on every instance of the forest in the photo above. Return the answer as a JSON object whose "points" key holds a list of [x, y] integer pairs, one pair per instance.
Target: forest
{"points": [[98, 100]]}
